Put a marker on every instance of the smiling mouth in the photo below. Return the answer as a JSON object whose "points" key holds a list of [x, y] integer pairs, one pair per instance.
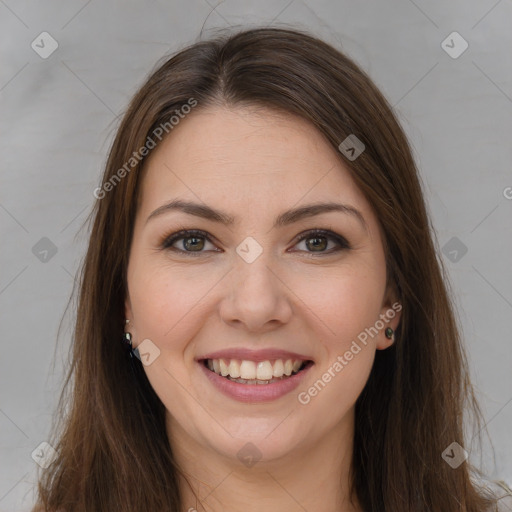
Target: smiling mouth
{"points": [[252, 372]]}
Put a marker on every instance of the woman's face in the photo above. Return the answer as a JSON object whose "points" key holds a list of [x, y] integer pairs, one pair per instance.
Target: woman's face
{"points": [[250, 292]]}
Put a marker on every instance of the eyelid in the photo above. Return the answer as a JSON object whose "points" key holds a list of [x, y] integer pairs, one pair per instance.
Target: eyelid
{"points": [[329, 233], [181, 232]]}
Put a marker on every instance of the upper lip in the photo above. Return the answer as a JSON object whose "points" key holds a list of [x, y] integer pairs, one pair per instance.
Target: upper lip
{"points": [[254, 355]]}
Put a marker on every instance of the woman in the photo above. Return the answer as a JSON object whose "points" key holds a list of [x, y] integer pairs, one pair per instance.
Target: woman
{"points": [[262, 252]]}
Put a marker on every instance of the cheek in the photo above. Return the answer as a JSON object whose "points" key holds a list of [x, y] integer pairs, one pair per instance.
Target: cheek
{"points": [[166, 305], [346, 312], [345, 309], [166, 301], [341, 304]]}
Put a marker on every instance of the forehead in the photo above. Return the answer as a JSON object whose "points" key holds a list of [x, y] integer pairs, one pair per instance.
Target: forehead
{"points": [[247, 157]]}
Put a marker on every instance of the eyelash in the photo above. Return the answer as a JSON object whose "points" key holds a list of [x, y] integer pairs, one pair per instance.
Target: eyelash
{"points": [[189, 233]]}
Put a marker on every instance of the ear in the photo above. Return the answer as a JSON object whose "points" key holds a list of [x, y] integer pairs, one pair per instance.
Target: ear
{"points": [[390, 315]]}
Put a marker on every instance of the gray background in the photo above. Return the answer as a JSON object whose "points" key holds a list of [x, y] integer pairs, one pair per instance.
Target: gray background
{"points": [[59, 116]]}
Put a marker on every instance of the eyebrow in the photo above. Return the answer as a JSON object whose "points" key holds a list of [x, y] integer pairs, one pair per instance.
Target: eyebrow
{"points": [[284, 219]]}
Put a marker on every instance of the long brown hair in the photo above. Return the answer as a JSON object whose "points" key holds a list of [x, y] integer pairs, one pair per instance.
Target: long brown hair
{"points": [[113, 449]]}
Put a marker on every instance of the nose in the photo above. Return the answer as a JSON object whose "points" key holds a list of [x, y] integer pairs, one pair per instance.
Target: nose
{"points": [[257, 298]]}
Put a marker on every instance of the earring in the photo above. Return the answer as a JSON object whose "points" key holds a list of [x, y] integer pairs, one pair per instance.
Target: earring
{"points": [[127, 344], [390, 334]]}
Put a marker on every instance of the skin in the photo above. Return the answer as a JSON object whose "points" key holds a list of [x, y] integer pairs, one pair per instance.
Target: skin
{"points": [[254, 164]]}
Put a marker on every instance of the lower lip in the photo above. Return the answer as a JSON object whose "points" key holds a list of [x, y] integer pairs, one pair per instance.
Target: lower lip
{"points": [[255, 392]]}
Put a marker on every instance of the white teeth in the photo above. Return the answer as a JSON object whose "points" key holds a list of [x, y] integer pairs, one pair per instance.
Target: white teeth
{"points": [[278, 368], [223, 368], [254, 372], [264, 370], [247, 370], [235, 369]]}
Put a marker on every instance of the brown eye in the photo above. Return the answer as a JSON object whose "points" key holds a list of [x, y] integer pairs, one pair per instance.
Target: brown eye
{"points": [[192, 241], [317, 241]]}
